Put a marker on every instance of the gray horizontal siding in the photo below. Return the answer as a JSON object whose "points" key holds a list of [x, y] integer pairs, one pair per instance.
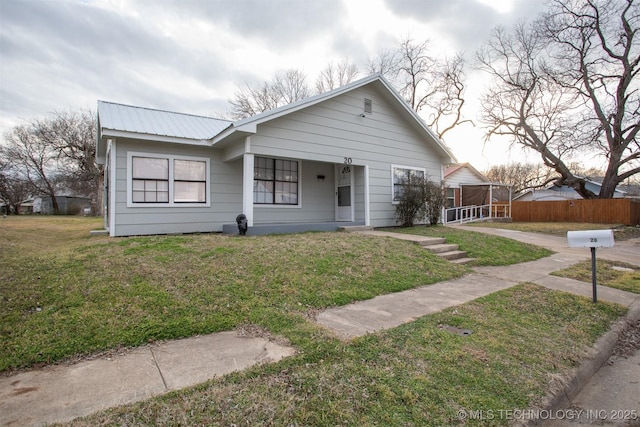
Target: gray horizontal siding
{"points": [[318, 199], [226, 194], [332, 130]]}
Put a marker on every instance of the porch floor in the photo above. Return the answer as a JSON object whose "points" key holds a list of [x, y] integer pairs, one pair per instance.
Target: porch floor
{"points": [[287, 228]]}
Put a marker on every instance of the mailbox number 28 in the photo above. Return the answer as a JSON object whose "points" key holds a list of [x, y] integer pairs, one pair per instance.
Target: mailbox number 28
{"points": [[593, 239]]}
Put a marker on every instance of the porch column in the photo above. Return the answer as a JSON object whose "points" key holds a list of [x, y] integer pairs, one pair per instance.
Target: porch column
{"points": [[490, 200], [367, 211], [247, 187]]}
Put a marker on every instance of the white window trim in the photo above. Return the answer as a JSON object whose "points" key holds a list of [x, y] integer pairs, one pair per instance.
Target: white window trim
{"points": [[171, 204], [393, 167], [276, 206]]}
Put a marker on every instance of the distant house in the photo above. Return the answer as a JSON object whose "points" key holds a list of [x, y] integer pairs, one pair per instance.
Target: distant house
{"points": [[26, 207], [563, 192], [338, 158], [463, 174], [66, 204]]}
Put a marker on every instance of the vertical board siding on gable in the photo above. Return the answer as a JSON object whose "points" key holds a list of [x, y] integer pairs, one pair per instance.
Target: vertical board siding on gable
{"points": [[333, 129], [226, 194]]}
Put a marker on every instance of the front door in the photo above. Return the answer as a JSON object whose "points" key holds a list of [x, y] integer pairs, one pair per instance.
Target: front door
{"points": [[344, 193]]}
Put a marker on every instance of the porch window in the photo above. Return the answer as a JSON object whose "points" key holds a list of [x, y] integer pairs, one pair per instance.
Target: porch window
{"points": [[275, 181], [403, 177], [167, 180]]}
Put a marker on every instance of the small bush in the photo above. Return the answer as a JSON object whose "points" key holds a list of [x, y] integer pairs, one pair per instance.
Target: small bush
{"points": [[421, 202]]}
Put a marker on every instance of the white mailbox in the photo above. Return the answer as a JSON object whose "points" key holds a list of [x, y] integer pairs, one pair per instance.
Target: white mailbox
{"points": [[590, 239]]}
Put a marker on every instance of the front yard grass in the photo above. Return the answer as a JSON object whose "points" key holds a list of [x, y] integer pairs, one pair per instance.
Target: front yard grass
{"points": [[487, 249], [627, 278], [415, 374], [64, 294]]}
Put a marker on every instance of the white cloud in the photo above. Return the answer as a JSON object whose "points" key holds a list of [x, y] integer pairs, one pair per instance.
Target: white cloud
{"points": [[192, 55]]}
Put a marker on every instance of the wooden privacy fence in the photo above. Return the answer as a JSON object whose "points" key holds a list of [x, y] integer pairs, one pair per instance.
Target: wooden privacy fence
{"points": [[605, 211]]}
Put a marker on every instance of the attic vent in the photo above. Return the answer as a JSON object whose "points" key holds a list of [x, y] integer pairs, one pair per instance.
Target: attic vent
{"points": [[368, 106]]}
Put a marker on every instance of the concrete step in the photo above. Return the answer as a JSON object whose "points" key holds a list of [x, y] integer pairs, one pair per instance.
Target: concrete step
{"points": [[429, 242], [440, 248], [462, 260], [452, 255]]}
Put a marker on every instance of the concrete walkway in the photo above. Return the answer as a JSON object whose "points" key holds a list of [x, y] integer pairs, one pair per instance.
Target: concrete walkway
{"points": [[60, 393], [388, 311]]}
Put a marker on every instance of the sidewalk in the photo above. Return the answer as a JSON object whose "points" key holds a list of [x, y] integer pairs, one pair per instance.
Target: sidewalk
{"points": [[388, 311], [60, 393]]}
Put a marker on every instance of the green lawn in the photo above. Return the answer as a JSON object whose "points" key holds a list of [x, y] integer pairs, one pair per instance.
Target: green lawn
{"points": [[626, 278], [487, 249], [65, 294], [416, 374]]}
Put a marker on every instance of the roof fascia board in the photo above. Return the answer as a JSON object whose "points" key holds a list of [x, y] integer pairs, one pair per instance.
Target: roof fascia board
{"points": [[105, 133]]}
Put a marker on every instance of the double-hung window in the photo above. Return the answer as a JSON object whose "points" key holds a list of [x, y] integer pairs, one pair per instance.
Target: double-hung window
{"points": [[150, 180], [403, 177], [167, 180], [275, 181], [189, 181]]}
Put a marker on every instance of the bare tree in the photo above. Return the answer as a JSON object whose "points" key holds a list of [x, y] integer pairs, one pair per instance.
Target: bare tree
{"points": [[33, 161], [567, 83], [283, 89], [385, 63], [520, 176], [55, 154], [73, 136], [13, 190], [431, 86], [336, 75]]}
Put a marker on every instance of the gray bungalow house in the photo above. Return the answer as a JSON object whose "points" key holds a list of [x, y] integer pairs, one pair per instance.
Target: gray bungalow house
{"points": [[334, 159]]}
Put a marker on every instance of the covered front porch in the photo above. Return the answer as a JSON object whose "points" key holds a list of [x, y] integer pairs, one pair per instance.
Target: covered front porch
{"points": [[288, 195], [478, 202]]}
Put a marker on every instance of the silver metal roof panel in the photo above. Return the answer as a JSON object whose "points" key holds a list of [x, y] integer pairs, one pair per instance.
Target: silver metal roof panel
{"points": [[128, 118]]}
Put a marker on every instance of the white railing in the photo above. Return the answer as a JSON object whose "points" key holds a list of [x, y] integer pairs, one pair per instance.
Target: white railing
{"points": [[476, 213]]}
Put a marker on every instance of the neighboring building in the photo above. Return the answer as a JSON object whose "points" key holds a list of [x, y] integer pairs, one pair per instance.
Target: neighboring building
{"points": [[337, 158], [66, 204], [562, 192], [463, 174], [471, 196]]}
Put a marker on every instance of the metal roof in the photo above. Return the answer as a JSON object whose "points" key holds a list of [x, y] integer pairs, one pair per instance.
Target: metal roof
{"points": [[127, 118]]}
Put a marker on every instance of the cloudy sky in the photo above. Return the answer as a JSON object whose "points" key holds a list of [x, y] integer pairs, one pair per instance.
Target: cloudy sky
{"points": [[192, 55]]}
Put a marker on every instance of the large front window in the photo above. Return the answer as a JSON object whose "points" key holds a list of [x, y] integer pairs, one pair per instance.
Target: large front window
{"points": [[275, 181], [405, 176], [167, 179]]}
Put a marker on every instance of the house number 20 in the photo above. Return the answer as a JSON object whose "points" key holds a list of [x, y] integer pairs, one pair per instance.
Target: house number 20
{"points": [[347, 160]]}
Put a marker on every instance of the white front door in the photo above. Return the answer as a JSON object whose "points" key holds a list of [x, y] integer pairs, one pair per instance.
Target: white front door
{"points": [[344, 193]]}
